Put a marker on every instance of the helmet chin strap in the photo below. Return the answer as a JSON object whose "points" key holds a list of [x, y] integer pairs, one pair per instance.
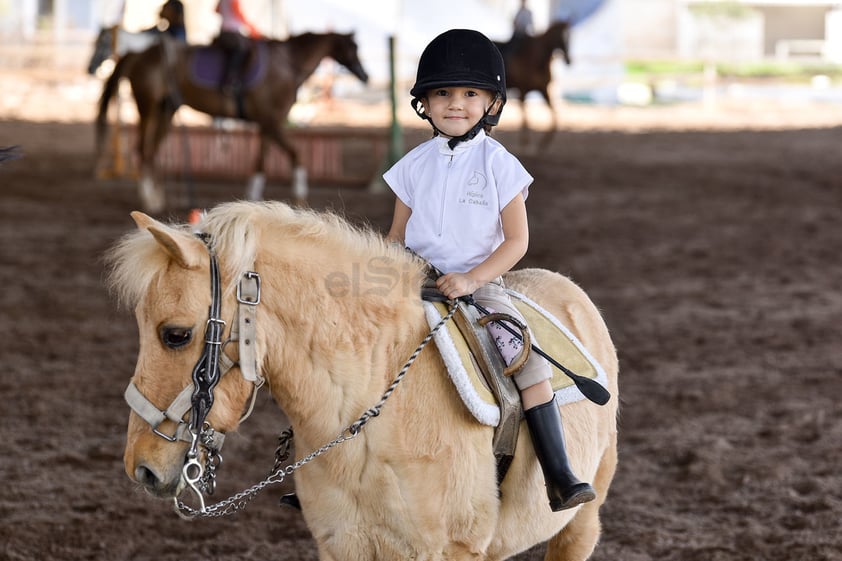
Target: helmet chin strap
{"points": [[454, 140]]}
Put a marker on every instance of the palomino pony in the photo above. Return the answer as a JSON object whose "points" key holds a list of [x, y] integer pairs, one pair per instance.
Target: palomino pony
{"points": [[169, 74], [338, 312], [528, 65]]}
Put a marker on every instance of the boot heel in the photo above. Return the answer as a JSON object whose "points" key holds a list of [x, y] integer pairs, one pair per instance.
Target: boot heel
{"points": [[580, 493]]}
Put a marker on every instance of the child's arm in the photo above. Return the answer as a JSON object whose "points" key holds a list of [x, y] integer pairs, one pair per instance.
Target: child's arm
{"points": [[513, 248], [397, 232]]}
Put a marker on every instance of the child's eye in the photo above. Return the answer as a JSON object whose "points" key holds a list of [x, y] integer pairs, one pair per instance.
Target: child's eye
{"points": [[471, 93], [441, 93]]}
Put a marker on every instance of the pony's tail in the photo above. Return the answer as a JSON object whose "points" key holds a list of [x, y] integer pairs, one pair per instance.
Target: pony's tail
{"points": [[108, 91]]}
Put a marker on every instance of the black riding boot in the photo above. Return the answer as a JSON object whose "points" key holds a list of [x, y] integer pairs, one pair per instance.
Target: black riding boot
{"points": [[563, 488]]}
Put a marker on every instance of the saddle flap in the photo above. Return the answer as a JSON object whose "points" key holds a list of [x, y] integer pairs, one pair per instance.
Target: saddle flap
{"points": [[471, 382], [489, 363]]}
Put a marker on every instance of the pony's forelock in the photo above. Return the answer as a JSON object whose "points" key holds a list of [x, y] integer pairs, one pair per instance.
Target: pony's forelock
{"points": [[133, 262]]}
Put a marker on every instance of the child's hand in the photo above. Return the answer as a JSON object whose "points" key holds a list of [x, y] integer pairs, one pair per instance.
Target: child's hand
{"points": [[454, 285]]}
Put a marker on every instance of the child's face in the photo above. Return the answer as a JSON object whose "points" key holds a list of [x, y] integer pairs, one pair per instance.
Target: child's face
{"points": [[455, 110]]}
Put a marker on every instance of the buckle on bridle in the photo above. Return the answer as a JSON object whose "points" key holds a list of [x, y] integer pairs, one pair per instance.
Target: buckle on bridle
{"points": [[212, 337], [253, 296]]}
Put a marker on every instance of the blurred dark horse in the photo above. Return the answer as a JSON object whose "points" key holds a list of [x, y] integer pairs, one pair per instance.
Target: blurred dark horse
{"points": [[170, 74], [528, 64]]}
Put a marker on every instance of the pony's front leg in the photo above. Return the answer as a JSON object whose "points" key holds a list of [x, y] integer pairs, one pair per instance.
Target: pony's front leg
{"points": [[548, 136]]}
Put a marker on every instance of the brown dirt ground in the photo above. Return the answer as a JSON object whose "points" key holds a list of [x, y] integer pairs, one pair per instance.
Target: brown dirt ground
{"points": [[713, 254]]}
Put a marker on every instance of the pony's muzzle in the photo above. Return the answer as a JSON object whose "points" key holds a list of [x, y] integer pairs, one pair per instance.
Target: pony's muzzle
{"points": [[158, 468], [155, 483]]}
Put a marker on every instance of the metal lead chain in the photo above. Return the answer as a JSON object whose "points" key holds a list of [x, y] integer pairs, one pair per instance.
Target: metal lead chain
{"points": [[239, 501]]}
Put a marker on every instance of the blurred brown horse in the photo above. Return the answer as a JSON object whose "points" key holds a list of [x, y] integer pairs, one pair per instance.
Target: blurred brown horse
{"points": [[528, 64], [170, 74]]}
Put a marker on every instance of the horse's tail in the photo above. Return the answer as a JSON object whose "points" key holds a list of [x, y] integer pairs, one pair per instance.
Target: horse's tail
{"points": [[108, 91]]}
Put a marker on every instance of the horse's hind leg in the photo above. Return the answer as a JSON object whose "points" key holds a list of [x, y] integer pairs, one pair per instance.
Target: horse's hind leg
{"points": [[577, 540], [299, 173], [257, 181], [524, 121], [548, 137]]}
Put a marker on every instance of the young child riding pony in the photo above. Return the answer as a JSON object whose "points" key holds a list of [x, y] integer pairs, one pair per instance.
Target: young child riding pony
{"points": [[460, 204]]}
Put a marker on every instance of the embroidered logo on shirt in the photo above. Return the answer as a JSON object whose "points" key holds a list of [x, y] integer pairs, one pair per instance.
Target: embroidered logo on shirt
{"points": [[474, 193]]}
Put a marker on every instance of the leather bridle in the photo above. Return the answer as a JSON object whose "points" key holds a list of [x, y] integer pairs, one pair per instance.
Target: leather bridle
{"points": [[213, 364]]}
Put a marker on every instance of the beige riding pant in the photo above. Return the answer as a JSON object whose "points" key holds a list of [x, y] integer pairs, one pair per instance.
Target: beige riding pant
{"points": [[493, 297]]}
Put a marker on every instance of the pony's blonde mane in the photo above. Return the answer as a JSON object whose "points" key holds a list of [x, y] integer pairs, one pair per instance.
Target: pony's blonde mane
{"points": [[235, 231]]}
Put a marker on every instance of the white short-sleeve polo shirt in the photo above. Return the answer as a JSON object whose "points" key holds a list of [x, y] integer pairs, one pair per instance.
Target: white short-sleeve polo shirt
{"points": [[456, 197]]}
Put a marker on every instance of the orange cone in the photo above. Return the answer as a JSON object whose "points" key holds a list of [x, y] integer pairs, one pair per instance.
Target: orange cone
{"points": [[195, 216]]}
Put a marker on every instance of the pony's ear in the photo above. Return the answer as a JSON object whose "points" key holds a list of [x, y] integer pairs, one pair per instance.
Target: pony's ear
{"points": [[184, 249]]}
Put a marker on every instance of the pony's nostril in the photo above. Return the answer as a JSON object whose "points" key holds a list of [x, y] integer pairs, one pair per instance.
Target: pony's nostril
{"points": [[146, 477], [157, 483]]}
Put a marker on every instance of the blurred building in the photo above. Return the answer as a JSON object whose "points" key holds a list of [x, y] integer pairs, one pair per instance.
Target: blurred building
{"points": [[691, 29], [734, 29], [605, 34]]}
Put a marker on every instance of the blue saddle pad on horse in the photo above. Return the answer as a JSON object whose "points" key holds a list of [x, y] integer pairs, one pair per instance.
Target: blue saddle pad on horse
{"points": [[208, 63]]}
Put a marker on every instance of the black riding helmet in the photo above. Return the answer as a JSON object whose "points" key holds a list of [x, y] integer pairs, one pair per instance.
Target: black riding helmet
{"points": [[461, 58]]}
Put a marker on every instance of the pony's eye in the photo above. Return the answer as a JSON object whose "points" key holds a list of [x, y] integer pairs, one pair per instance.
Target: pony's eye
{"points": [[174, 337]]}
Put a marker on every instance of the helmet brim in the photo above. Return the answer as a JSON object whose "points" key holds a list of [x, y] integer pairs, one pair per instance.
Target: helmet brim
{"points": [[420, 89]]}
